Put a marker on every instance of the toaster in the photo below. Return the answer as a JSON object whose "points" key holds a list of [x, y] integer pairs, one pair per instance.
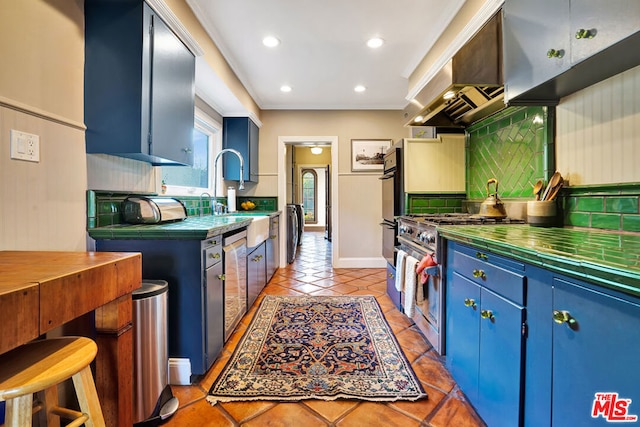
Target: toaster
{"points": [[152, 210]]}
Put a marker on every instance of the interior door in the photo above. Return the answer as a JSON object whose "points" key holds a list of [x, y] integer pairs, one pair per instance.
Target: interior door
{"points": [[327, 203]]}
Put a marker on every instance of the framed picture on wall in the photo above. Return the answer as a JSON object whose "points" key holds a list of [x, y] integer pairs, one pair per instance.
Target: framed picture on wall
{"points": [[367, 154]]}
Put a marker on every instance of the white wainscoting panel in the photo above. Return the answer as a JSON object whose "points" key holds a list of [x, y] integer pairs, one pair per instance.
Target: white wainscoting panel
{"points": [[598, 132]]}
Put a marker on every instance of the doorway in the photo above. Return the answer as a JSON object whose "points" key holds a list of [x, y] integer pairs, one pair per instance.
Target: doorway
{"points": [[287, 175]]}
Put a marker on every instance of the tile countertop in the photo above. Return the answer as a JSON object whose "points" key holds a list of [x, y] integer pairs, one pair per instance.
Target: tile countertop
{"points": [[194, 227], [609, 259]]}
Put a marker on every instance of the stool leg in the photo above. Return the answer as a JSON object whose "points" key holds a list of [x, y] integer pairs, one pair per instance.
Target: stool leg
{"points": [[18, 411], [51, 401], [88, 397]]}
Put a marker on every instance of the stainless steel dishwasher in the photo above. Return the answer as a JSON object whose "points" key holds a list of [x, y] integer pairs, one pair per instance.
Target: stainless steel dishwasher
{"points": [[234, 245]]}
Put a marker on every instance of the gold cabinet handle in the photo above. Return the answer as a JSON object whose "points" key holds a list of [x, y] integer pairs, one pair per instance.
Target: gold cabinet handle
{"points": [[586, 34], [214, 255], [487, 314], [479, 274], [470, 302], [553, 53], [273, 236], [481, 256], [390, 275], [221, 277], [563, 316]]}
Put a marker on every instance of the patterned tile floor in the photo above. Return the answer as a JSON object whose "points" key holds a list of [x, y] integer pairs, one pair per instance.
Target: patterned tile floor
{"points": [[311, 273]]}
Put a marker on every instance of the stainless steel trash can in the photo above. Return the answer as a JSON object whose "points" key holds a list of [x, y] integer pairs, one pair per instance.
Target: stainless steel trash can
{"points": [[150, 346]]}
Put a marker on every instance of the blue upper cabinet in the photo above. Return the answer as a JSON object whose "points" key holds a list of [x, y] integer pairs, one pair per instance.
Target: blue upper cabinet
{"points": [[553, 48], [139, 85], [241, 134]]}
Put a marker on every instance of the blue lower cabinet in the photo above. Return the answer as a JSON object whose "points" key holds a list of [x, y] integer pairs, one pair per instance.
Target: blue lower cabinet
{"points": [[485, 350], [393, 293], [193, 269], [596, 356], [463, 333], [568, 355]]}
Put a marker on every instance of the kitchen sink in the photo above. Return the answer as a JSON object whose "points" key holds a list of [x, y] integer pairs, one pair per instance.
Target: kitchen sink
{"points": [[257, 230]]}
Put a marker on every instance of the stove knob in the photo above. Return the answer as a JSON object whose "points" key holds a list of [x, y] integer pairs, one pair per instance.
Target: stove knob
{"points": [[405, 229], [423, 237], [430, 238]]}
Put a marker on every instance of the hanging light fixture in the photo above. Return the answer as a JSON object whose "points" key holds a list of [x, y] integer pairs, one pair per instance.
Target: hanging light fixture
{"points": [[316, 150]]}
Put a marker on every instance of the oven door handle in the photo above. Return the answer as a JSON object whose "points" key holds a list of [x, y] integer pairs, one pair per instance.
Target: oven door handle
{"points": [[432, 271], [387, 176], [388, 225]]}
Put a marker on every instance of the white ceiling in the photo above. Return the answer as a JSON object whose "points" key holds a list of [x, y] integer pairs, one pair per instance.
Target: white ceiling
{"points": [[323, 53]]}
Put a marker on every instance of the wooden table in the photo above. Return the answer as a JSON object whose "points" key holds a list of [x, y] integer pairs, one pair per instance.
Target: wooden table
{"points": [[40, 291]]}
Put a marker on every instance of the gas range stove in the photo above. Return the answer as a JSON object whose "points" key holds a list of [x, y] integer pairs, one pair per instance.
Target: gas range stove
{"points": [[420, 229]]}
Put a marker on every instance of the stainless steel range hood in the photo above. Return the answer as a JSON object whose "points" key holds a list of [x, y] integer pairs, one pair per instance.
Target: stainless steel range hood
{"points": [[469, 87]]}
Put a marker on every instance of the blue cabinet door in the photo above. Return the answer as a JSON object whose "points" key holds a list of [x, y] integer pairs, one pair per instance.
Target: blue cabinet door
{"points": [[241, 134], [501, 359], [139, 85], [172, 96], [463, 333], [596, 349]]}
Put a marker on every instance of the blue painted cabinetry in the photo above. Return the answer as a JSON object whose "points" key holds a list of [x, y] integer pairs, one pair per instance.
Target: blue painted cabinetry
{"points": [[242, 134], [393, 293], [484, 330], [193, 269], [574, 340], [596, 349], [555, 47], [139, 85]]}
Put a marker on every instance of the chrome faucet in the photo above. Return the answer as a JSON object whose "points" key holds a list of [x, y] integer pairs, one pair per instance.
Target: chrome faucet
{"points": [[215, 173]]}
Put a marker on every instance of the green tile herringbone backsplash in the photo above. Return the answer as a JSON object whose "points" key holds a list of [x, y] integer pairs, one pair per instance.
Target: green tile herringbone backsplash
{"points": [[515, 147]]}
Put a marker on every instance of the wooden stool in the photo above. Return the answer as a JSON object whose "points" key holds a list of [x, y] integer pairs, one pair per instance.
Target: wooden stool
{"points": [[41, 366]]}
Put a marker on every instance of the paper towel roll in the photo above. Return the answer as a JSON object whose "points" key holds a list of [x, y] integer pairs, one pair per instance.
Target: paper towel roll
{"points": [[231, 199]]}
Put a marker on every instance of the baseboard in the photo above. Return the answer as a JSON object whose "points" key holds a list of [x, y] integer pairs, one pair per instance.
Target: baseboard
{"points": [[360, 263]]}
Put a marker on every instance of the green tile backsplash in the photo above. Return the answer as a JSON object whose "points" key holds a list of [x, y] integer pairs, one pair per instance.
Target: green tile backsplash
{"points": [[514, 146], [607, 207], [103, 207], [433, 203]]}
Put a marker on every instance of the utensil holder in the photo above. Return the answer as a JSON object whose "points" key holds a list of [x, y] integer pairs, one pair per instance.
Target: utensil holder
{"points": [[542, 213]]}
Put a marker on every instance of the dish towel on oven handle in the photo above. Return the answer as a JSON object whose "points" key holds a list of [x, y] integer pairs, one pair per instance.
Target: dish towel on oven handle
{"points": [[400, 270], [422, 268], [410, 285]]}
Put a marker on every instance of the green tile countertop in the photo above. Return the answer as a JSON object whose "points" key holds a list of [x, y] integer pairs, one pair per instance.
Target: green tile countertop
{"points": [[194, 227], [605, 258]]}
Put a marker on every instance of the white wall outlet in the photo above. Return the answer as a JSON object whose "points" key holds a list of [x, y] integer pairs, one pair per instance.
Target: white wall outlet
{"points": [[25, 146]]}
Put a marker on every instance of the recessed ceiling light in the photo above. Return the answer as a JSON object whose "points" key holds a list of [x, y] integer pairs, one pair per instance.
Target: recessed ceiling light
{"points": [[270, 41], [285, 88], [375, 42], [359, 88]]}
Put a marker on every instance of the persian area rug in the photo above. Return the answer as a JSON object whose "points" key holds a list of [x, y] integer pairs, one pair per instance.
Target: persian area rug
{"points": [[317, 348]]}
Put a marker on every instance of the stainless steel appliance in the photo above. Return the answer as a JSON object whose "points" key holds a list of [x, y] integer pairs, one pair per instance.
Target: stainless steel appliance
{"points": [[292, 232], [392, 200], [467, 88], [300, 215], [234, 246], [152, 210], [418, 237]]}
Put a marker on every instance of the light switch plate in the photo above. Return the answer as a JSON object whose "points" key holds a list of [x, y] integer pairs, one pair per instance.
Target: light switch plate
{"points": [[25, 146]]}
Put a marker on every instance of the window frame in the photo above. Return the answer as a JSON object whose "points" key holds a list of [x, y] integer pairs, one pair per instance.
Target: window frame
{"points": [[211, 127], [315, 192]]}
